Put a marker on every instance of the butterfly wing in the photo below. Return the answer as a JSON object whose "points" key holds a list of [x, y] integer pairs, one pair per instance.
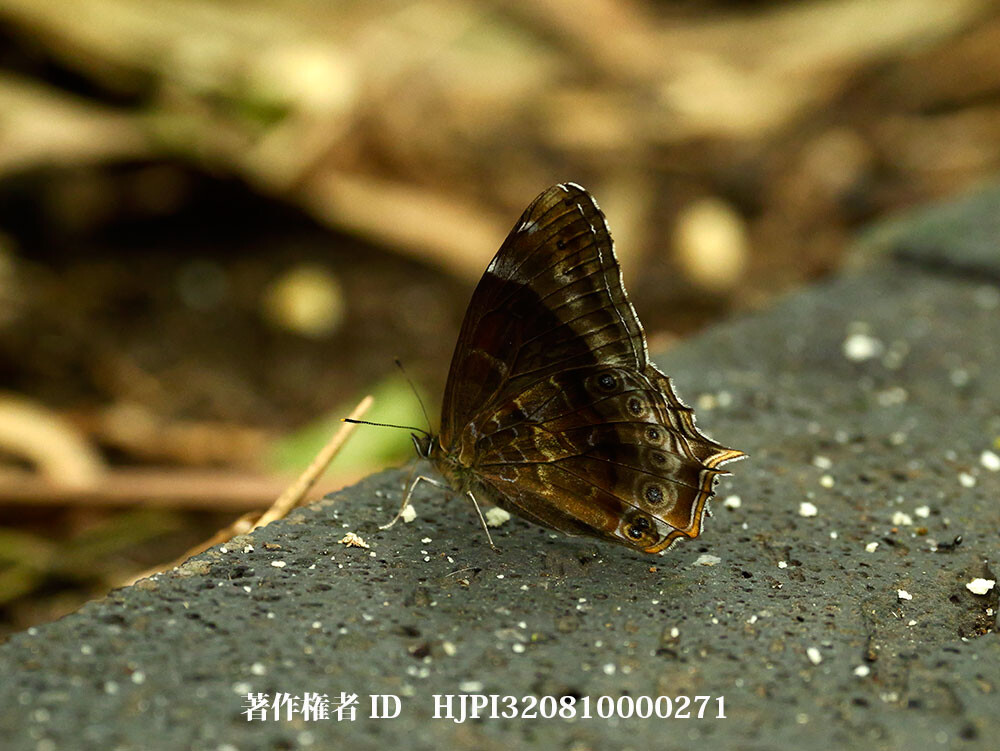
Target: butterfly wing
{"points": [[551, 298], [551, 401]]}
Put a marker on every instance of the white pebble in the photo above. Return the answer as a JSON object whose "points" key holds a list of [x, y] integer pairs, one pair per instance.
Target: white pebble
{"points": [[980, 586], [782, 564], [871, 547], [899, 519], [278, 564], [733, 501], [922, 511], [807, 509], [706, 559], [352, 540], [496, 516], [990, 460], [471, 687], [966, 480], [860, 347], [814, 655], [902, 594], [822, 462], [862, 671], [408, 514], [826, 481]]}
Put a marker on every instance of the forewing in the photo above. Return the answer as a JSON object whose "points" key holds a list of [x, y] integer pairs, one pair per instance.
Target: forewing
{"points": [[551, 299]]}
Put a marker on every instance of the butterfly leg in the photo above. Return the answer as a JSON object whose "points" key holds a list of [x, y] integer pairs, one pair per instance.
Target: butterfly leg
{"points": [[406, 498], [483, 520]]}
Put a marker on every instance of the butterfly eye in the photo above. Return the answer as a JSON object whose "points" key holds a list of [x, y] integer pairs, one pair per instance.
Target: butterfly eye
{"points": [[654, 494], [607, 382], [653, 435], [639, 527], [635, 406]]}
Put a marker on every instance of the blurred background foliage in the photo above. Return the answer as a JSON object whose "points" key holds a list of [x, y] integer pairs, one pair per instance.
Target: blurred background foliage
{"points": [[221, 221]]}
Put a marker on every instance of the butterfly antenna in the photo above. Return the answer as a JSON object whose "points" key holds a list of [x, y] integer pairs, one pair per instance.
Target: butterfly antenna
{"points": [[385, 425], [416, 393]]}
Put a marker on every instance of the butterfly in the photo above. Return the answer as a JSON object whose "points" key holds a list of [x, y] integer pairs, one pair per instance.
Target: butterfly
{"points": [[552, 409]]}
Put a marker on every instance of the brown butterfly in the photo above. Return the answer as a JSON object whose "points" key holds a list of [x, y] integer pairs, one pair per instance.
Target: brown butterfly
{"points": [[552, 409]]}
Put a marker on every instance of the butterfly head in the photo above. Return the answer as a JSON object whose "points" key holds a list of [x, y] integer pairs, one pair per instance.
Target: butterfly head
{"points": [[423, 443]]}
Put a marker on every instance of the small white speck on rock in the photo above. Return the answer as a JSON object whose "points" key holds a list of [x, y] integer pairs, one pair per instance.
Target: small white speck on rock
{"points": [[496, 516], [922, 511], [862, 671], [408, 514], [966, 480], [902, 594], [859, 347], [871, 547], [899, 519], [353, 540], [278, 564], [990, 460], [733, 501], [980, 586], [706, 559], [814, 655], [808, 509]]}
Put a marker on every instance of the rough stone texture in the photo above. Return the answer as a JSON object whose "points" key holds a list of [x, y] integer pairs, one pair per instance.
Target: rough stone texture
{"points": [[164, 664]]}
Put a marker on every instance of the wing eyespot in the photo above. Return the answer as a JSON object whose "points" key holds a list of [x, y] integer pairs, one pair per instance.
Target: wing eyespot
{"points": [[607, 383], [653, 494], [638, 528], [635, 406], [658, 458], [653, 435]]}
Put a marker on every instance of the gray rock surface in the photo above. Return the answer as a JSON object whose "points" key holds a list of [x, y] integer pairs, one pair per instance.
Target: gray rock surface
{"points": [[872, 397]]}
